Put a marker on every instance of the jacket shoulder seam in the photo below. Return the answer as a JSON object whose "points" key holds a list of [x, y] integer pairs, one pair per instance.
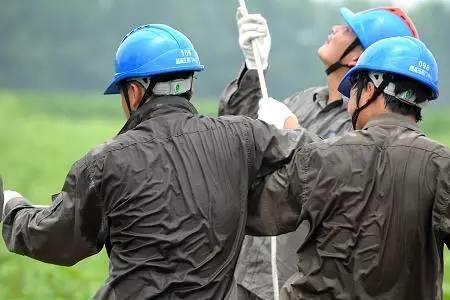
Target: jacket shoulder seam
{"points": [[99, 156], [423, 149]]}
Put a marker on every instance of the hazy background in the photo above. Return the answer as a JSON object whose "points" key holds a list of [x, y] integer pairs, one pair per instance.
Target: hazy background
{"points": [[61, 45], [56, 58]]}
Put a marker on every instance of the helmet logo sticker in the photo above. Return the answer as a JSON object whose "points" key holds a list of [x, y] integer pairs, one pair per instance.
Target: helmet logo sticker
{"points": [[422, 69], [186, 58], [409, 94], [186, 52]]}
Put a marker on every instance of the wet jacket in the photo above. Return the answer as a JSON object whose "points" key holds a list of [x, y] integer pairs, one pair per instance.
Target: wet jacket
{"points": [[374, 212], [168, 199], [241, 97]]}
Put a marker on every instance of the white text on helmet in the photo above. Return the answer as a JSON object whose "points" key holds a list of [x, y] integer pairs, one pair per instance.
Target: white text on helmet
{"points": [[419, 71], [186, 60]]}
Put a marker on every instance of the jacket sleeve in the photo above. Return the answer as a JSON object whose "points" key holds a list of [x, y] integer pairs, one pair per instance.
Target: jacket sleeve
{"points": [[242, 95], [71, 229], [273, 202], [441, 209]]}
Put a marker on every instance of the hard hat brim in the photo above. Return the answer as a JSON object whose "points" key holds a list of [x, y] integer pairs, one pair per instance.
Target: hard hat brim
{"points": [[349, 17]]}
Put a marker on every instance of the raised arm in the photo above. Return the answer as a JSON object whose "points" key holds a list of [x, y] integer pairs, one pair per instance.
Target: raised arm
{"points": [[242, 95]]}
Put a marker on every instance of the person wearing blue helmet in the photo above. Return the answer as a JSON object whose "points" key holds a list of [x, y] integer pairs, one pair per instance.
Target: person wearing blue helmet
{"points": [[373, 204], [167, 197], [381, 73], [320, 110], [148, 63]]}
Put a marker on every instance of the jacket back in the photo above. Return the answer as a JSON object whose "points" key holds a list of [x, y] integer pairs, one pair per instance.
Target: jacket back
{"points": [[374, 214], [172, 224], [168, 199]]}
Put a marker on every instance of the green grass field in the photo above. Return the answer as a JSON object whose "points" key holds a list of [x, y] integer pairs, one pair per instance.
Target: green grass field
{"points": [[40, 137]]}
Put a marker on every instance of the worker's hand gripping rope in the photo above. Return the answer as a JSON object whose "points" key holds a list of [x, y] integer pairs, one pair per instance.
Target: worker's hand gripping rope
{"points": [[256, 54], [255, 42]]}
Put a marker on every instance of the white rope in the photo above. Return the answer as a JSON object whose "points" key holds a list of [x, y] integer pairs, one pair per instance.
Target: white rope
{"points": [[273, 252], [265, 95], [259, 67]]}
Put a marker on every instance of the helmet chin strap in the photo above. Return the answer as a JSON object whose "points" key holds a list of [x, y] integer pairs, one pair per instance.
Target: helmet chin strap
{"points": [[124, 88], [378, 91], [337, 65]]}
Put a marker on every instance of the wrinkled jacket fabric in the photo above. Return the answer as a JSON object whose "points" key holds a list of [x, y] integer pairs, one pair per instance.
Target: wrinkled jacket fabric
{"points": [[168, 199], [374, 212], [241, 97]]}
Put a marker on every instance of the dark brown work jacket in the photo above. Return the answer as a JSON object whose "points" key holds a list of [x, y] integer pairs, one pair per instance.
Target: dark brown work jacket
{"points": [[241, 97], [168, 198], [374, 209]]}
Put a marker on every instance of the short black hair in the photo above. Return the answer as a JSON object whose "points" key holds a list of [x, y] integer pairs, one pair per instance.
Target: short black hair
{"points": [[402, 84]]}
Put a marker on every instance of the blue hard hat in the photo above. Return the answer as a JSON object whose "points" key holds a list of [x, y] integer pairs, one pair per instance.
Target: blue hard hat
{"points": [[404, 56], [376, 24], [153, 49]]}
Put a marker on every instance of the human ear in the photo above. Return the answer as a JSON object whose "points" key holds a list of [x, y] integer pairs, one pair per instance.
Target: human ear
{"points": [[135, 92]]}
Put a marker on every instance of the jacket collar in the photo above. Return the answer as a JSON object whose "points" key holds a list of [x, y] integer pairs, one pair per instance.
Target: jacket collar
{"points": [[392, 119], [157, 106], [321, 95]]}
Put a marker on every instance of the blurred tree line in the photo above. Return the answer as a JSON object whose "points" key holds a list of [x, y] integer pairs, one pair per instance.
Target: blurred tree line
{"points": [[70, 45]]}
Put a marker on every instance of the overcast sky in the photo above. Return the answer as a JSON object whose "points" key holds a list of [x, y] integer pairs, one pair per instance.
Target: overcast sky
{"points": [[408, 3], [400, 3]]}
